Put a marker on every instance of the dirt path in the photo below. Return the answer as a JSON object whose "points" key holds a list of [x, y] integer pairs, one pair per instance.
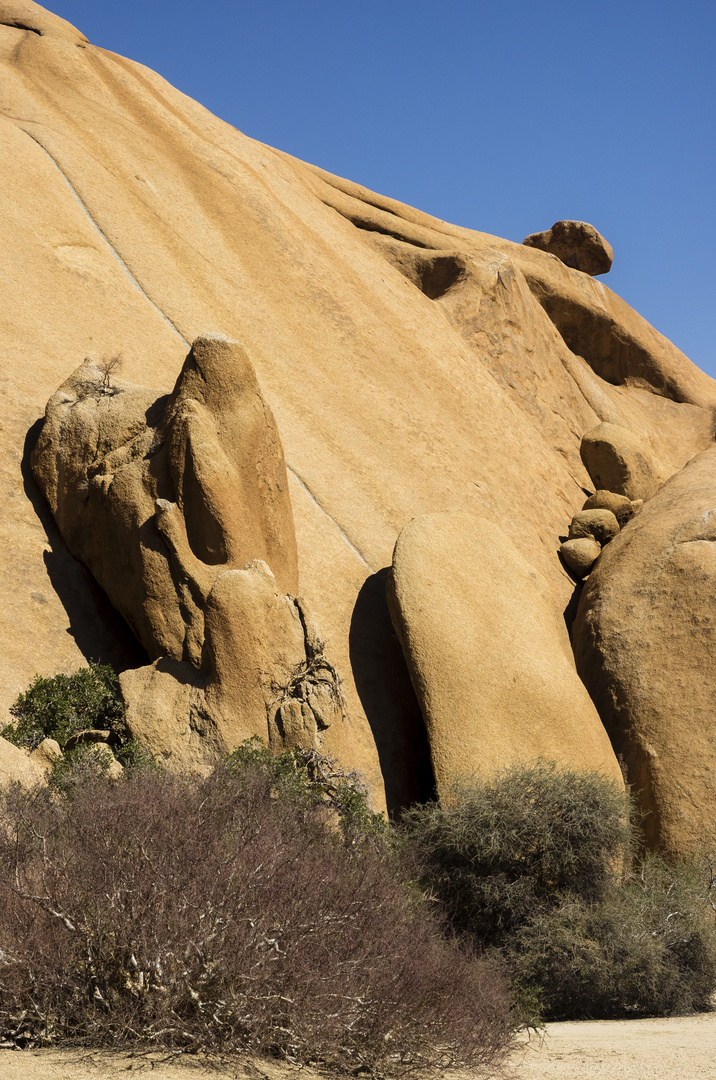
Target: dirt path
{"points": [[683, 1048], [678, 1049]]}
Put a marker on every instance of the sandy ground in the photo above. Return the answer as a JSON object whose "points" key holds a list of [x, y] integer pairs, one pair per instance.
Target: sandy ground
{"points": [[683, 1048], [678, 1049]]}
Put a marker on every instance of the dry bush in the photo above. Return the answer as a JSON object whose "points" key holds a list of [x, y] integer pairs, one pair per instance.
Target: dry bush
{"points": [[227, 912], [648, 949]]}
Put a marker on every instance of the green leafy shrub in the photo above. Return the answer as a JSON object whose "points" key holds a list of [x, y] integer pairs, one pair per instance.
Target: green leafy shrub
{"points": [[59, 707], [535, 865], [229, 912]]}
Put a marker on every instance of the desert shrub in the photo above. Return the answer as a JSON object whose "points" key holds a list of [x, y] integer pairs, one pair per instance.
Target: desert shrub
{"points": [[227, 912], [536, 865], [77, 766], [649, 949], [58, 707], [314, 780], [501, 851]]}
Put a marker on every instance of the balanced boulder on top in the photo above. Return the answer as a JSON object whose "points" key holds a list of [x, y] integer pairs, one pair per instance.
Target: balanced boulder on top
{"points": [[577, 244]]}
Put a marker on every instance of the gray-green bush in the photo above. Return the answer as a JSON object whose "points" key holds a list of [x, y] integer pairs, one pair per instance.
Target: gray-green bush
{"points": [[536, 865]]}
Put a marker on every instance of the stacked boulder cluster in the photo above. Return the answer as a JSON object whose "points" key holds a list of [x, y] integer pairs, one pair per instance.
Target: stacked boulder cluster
{"points": [[603, 515], [625, 474]]}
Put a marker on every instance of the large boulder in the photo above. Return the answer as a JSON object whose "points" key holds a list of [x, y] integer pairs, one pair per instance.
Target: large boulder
{"points": [[264, 672], [645, 646], [157, 495], [618, 460], [577, 244], [488, 654]]}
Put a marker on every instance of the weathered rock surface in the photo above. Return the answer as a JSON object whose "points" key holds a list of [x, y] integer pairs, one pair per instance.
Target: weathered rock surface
{"points": [[618, 460], [622, 508], [645, 646], [19, 767], [580, 555], [488, 654], [601, 525], [158, 495], [411, 365], [577, 244]]}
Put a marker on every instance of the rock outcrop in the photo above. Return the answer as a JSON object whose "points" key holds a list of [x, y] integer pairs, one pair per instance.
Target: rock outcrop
{"points": [[577, 244], [158, 495], [412, 367], [645, 646], [177, 504], [490, 663]]}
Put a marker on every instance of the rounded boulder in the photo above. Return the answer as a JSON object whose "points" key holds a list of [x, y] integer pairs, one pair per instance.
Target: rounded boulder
{"points": [[601, 525], [488, 653]]}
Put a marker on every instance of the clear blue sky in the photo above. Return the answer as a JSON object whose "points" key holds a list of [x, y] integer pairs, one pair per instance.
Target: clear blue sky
{"points": [[502, 116]]}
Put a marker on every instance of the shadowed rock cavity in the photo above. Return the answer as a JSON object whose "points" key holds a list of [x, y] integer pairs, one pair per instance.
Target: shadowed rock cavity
{"points": [[179, 507]]}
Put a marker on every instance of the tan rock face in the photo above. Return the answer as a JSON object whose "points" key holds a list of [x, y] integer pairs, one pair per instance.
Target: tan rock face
{"points": [[175, 505], [577, 244], [263, 673], [411, 365], [157, 496], [490, 662], [28, 16], [19, 767], [645, 646]]}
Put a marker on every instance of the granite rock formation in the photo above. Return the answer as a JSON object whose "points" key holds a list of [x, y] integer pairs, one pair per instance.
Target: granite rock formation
{"points": [[177, 504], [488, 654], [413, 367]]}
